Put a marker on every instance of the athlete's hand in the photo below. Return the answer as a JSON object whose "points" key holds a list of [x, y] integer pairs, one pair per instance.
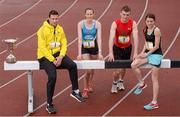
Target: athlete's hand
{"points": [[142, 55], [110, 57], [79, 57], [58, 61], [100, 56], [134, 56]]}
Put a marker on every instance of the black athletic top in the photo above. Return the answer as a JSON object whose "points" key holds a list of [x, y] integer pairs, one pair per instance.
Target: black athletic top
{"points": [[150, 40]]}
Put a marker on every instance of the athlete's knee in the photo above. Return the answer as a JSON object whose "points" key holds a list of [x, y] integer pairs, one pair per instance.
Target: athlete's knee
{"points": [[73, 65], [115, 73], [133, 65], [89, 72]]}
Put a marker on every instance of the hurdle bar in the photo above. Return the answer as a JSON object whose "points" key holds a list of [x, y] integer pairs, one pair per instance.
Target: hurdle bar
{"points": [[29, 66]]}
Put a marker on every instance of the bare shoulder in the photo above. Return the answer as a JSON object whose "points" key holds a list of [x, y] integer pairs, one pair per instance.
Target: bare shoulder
{"points": [[114, 24], [80, 23], [157, 31], [134, 23], [98, 23]]}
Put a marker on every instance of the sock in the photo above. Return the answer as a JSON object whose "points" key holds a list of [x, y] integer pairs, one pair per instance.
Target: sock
{"points": [[76, 91], [115, 82], [120, 80]]}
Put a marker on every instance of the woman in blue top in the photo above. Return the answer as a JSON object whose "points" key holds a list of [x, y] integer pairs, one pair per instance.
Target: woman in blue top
{"points": [[89, 45], [151, 54]]}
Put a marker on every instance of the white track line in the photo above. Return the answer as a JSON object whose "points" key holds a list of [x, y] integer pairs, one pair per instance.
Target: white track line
{"points": [[2, 1], [97, 19], [110, 3], [115, 105], [107, 8], [170, 46], [69, 8], [123, 98], [19, 76], [142, 15], [12, 80], [43, 104], [60, 16], [20, 14], [29, 37], [35, 33], [146, 5]]}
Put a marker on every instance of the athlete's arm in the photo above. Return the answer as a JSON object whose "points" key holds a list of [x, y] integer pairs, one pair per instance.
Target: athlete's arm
{"points": [[79, 28], [135, 38], [111, 40], [99, 39]]}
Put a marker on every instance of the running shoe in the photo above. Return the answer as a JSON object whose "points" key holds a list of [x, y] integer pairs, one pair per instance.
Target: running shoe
{"points": [[139, 89], [50, 109], [151, 106], [85, 93], [114, 88], [120, 85], [77, 96]]}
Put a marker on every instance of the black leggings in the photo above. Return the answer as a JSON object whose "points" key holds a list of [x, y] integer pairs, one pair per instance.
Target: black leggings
{"points": [[50, 68]]}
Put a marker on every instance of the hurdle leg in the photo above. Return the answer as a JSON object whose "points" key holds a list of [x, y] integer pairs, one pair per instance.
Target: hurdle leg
{"points": [[30, 91]]}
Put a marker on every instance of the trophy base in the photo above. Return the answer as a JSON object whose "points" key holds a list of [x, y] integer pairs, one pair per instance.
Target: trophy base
{"points": [[11, 59]]}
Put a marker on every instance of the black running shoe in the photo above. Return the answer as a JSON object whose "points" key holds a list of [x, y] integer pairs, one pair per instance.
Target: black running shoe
{"points": [[50, 109], [77, 96]]}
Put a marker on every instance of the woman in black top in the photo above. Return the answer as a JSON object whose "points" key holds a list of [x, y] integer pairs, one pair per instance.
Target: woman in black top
{"points": [[151, 54]]}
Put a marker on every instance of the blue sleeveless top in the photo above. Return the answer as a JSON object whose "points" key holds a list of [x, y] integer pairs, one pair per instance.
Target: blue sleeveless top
{"points": [[89, 34]]}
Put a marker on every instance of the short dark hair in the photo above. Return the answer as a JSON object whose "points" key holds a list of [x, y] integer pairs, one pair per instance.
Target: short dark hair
{"points": [[126, 8], [53, 12], [89, 9]]}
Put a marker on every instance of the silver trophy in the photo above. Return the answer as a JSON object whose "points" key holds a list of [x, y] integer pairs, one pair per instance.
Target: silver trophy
{"points": [[11, 45]]}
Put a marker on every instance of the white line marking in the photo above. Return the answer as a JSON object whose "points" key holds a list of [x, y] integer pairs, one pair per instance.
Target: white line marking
{"points": [[35, 32], [27, 39], [123, 98], [146, 5], [14, 79], [110, 3], [107, 8], [43, 104], [115, 105], [2, 1], [20, 14], [172, 43]]}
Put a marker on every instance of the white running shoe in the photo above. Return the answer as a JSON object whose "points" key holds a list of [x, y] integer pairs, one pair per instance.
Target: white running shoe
{"points": [[120, 85], [114, 88]]}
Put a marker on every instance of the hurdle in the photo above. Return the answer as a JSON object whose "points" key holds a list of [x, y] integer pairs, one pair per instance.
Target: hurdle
{"points": [[29, 66]]}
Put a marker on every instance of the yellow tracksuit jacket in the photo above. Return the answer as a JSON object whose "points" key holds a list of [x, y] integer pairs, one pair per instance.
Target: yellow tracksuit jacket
{"points": [[47, 34]]}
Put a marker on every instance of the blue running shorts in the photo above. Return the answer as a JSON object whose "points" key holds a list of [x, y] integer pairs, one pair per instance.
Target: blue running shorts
{"points": [[155, 59]]}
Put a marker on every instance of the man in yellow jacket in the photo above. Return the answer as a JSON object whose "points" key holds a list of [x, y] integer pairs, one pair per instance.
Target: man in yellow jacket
{"points": [[51, 54]]}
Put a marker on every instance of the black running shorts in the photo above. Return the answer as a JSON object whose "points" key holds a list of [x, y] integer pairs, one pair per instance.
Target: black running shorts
{"points": [[122, 53]]}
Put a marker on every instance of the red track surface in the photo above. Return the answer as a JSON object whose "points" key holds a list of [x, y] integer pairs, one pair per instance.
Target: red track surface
{"points": [[13, 96]]}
